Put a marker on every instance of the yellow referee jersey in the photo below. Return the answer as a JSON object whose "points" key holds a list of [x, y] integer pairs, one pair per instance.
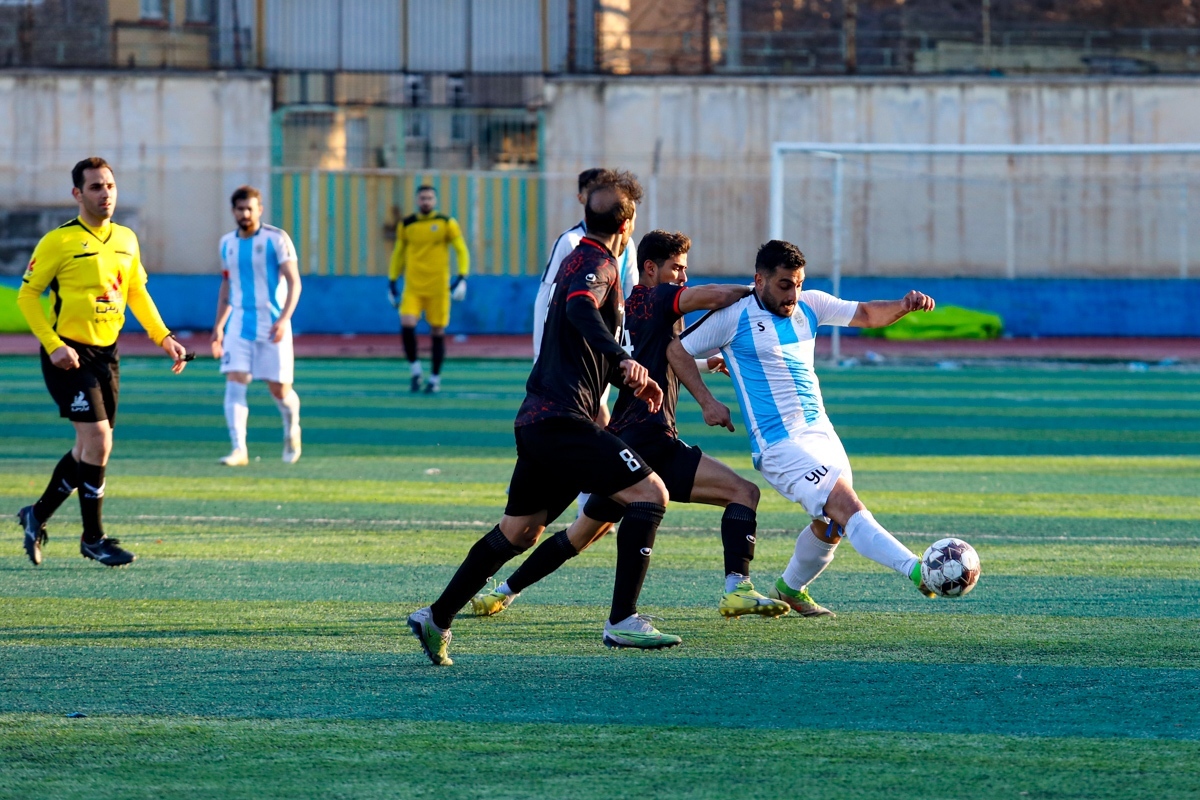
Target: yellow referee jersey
{"points": [[422, 253], [92, 273]]}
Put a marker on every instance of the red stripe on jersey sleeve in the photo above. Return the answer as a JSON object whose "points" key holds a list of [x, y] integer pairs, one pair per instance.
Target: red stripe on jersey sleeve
{"points": [[675, 304], [588, 295]]}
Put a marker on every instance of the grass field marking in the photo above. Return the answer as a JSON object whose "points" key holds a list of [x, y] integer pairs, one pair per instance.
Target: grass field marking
{"points": [[446, 523]]}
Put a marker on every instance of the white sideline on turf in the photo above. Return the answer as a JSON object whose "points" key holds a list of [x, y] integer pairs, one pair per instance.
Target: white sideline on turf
{"points": [[449, 523]]}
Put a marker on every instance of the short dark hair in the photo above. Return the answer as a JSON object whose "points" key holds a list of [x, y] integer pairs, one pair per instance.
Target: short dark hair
{"points": [[608, 207], [658, 246], [775, 254], [425, 187], [245, 193], [91, 162], [590, 176]]}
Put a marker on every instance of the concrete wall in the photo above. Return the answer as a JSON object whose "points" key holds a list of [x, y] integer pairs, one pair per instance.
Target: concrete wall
{"points": [[713, 135], [179, 146]]}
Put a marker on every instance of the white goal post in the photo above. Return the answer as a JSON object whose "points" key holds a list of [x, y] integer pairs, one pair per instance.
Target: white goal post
{"points": [[1137, 185]]}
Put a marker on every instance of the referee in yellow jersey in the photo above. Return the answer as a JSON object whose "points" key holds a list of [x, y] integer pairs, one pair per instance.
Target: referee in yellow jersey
{"points": [[422, 259], [93, 269]]}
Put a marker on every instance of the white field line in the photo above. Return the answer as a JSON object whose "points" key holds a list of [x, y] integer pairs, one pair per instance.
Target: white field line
{"points": [[445, 523]]}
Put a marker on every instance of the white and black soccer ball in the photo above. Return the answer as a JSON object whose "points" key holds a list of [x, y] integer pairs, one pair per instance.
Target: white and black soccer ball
{"points": [[950, 567]]}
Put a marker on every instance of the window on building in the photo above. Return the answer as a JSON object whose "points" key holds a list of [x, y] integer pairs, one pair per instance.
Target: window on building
{"points": [[199, 11], [153, 9]]}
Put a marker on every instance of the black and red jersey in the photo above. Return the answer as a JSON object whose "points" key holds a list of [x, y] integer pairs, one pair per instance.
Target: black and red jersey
{"points": [[652, 319], [572, 372]]}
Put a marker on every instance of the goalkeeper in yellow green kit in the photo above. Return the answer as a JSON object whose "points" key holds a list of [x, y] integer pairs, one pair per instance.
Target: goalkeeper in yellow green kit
{"points": [[422, 259]]}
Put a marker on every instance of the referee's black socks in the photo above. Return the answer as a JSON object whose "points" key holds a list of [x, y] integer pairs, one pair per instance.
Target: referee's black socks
{"points": [[738, 526], [91, 498], [552, 554], [635, 541], [62, 483], [485, 558]]}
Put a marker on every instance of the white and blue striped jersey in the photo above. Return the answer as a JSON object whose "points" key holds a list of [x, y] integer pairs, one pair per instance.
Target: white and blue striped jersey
{"points": [[770, 359], [256, 292], [568, 240]]}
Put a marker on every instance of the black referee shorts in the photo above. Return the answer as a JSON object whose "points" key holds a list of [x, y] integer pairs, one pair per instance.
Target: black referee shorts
{"points": [[89, 392], [559, 458], [674, 461]]}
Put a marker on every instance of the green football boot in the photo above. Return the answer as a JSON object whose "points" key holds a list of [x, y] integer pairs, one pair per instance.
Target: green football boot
{"points": [[799, 600], [636, 631], [434, 641], [919, 582], [745, 600], [489, 604]]}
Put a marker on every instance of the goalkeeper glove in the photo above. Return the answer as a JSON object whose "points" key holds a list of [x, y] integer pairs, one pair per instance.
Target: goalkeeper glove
{"points": [[393, 294], [458, 289]]}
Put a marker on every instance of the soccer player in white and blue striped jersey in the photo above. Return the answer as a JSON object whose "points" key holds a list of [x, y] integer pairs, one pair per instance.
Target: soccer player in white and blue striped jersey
{"points": [[259, 292], [768, 340]]}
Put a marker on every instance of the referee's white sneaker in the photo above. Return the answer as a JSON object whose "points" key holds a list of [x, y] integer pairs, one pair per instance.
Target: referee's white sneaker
{"points": [[237, 458], [291, 447]]}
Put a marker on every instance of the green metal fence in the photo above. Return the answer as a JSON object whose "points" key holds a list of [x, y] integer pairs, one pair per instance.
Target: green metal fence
{"points": [[343, 221]]}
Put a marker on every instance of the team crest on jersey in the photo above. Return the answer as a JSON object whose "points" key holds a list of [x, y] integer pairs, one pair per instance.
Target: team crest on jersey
{"points": [[591, 276], [433, 227], [258, 249]]}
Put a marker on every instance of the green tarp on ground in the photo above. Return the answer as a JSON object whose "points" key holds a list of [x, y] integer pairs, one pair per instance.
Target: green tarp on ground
{"points": [[944, 322], [11, 319]]}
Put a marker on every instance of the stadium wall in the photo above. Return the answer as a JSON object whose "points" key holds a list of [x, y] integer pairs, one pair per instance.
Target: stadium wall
{"points": [[702, 146], [504, 304], [179, 144]]}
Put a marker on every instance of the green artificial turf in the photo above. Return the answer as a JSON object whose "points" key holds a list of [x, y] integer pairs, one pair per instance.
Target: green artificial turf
{"points": [[258, 647]]}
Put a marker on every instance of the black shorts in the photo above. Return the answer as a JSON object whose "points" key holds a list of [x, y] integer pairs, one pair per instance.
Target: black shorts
{"points": [[674, 461], [559, 458], [89, 392]]}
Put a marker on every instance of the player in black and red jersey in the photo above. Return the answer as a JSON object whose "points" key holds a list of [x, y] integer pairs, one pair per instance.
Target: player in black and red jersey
{"points": [[653, 317], [562, 451]]}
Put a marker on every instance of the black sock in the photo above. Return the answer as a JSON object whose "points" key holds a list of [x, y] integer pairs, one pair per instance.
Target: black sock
{"points": [[409, 337], [738, 525], [91, 498], [552, 554], [635, 539], [439, 354], [62, 483], [486, 556]]}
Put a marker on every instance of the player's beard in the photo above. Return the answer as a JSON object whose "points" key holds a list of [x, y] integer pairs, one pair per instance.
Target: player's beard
{"points": [[775, 306]]}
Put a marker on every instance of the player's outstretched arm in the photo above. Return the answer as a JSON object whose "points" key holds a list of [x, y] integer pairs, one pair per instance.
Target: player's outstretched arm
{"points": [[686, 369], [881, 313], [711, 297]]}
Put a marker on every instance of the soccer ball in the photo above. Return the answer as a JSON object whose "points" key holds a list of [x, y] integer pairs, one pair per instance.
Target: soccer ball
{"points": [[950, 567]]}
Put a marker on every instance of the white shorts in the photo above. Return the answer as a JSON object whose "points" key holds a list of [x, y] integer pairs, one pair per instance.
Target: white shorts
{"points": [[805, 467], [265, 361]]}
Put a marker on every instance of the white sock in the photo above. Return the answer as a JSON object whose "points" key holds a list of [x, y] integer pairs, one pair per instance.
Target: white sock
{"points": [[872, 540], [415, 366], [504, 588], [289, 410], [582, 501], [236, 413], [809, 559], [435, 380]]}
